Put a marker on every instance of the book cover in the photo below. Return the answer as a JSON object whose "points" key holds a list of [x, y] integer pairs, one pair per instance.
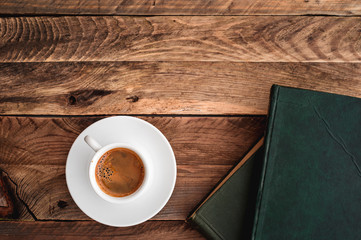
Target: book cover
{"points": [[311, 177], [227, 212]]}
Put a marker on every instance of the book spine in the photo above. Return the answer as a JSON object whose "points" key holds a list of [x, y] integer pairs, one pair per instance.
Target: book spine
{"points": [[268, 137], [199, 223]]}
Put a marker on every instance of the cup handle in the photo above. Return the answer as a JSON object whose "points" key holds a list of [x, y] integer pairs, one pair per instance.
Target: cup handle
{"points": [[92, 143]]}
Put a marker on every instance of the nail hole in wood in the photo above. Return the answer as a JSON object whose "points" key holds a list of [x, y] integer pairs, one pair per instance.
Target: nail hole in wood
{"points": [[132, 99], [72, 100], [62, 204]]}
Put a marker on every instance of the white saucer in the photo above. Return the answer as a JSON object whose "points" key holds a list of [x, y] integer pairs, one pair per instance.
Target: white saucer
{"points": [[132, 131]]}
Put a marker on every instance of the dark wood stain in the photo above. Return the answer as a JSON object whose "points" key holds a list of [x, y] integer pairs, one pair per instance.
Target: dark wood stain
{"points": [[87, 97]]}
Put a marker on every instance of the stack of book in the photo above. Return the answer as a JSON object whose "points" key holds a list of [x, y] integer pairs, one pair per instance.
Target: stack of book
{"points": [[302, 181]]}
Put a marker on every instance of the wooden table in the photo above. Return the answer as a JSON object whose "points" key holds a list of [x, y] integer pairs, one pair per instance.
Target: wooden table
{"points": [[200, 71]]}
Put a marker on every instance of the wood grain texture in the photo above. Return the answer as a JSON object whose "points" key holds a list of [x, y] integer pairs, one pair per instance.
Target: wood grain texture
{"points": [[185, 7], [172, 38], [33, 154], [87, 88], [6, 203], [93, 230]]}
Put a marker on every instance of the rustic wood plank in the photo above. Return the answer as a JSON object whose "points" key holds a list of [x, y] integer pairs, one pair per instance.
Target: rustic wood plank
{"points": [[87, 88], [33, 154], [91, 229], [174, 7], [172, 38], [49, 198]]}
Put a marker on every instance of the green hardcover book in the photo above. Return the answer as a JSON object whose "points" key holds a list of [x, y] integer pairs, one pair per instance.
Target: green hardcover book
{"points": [[311, 178], [228, 211]]}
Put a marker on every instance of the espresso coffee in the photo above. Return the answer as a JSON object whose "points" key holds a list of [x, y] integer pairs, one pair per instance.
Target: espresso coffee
{"points": [[119, 172]]}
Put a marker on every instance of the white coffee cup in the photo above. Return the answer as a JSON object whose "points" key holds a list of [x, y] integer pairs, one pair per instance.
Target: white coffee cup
{"points": [[99, 151]]}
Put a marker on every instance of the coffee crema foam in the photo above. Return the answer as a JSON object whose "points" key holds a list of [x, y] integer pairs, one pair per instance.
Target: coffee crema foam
{"points": [[119, 172]]}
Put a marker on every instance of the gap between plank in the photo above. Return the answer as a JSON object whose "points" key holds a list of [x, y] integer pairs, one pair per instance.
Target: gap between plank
{"points": [[135, 115], [176, 15]]}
